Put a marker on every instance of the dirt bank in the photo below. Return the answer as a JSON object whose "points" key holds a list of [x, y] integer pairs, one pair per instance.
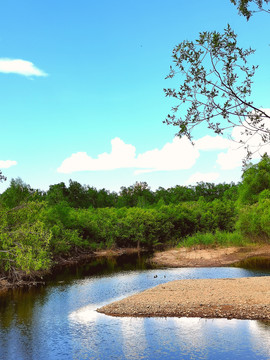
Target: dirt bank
{"points": [[244, 298], [196, 257]]}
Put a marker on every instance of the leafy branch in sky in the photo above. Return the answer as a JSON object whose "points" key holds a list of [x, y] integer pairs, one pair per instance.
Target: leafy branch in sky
{"points": [[215, 88], [2, 177], [244, 9]]}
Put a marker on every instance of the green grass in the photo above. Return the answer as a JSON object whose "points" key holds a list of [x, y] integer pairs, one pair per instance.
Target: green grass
{"points": [[219, 238]]}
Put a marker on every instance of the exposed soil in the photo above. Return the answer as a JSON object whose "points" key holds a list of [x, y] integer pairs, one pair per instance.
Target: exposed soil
{"points": [[244, 298], [206, 257]]}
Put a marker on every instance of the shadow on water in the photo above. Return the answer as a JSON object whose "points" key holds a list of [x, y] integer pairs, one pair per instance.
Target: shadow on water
{"points": [[17, 305], [255, 263], [264, 324], [101, 266], [59, 321]]}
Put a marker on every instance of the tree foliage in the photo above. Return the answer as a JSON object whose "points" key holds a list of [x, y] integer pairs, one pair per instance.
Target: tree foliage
{"points": [[17, 193], [247, 8], [254, 220], [138, 194], [256, 179], [2, 177], [24, 240], [41, 228], [216, 88]]}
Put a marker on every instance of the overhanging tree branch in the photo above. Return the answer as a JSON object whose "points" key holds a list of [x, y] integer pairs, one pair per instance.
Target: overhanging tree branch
{"points": [[2, 177], [244, 8], [215, 87]]}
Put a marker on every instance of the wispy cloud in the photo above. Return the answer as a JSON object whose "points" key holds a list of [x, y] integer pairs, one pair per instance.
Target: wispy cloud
{"points": [[5, 164], [21, 67]]}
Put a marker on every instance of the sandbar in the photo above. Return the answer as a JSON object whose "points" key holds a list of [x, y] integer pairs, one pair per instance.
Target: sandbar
{"points": [[238, 298]]}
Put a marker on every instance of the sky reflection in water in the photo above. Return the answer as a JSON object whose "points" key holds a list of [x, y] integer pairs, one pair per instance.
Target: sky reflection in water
{"points": [[60, 322]]}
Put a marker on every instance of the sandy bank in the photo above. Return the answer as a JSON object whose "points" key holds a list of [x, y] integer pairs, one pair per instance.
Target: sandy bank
{"points": [[206, 257], [244, 298]]}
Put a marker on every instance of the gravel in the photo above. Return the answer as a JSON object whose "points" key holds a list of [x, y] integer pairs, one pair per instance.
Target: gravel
{"points": [[244, 298]]}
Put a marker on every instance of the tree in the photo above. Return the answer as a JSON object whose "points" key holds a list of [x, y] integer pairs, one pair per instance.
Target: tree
{"points": [[216, 88], [57, 193], [105, 198], [181, 193], [211, 191], [2, 177], [77, 195], [244, 9], [256, 179], [138, 194], [17, 193]]}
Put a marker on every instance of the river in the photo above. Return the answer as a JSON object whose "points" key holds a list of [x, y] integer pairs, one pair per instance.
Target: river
{"points": [[59, 321]]}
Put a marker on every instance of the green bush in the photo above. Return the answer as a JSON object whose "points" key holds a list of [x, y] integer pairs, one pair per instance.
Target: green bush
{"points": [[25, 248], [219, 238], [254, 220], [34, 231]]}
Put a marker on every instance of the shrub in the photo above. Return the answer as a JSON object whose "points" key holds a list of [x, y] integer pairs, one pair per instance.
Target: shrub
{"points": [[219, 238], [25, 248]]}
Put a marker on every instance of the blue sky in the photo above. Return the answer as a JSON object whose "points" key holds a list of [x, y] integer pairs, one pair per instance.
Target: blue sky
{"points": [[82, 91]]}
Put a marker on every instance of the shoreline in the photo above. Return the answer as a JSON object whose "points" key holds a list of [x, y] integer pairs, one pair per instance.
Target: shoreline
{"points": [[241, 298], [209, 257], [39, 278], [245, 298], [175, 257]]}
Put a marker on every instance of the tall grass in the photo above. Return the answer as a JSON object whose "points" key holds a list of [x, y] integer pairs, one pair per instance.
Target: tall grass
{"points": [[219, 238]]}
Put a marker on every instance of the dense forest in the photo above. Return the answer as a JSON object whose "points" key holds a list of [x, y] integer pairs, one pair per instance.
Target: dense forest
{"points": [[38, 227]]}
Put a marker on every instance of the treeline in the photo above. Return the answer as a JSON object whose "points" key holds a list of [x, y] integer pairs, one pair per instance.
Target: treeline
{"points": [[137, 195], [36, 228]]}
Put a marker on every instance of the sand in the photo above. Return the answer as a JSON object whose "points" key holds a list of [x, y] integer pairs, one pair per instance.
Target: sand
{"points": [[205, 257], [243, 298]]}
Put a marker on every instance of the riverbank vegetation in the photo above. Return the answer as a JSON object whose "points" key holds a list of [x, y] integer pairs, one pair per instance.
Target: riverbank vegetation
{"points": [[38, 228]]}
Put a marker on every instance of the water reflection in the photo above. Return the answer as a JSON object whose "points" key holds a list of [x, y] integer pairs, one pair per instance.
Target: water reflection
{"points": [[60, 322], [171, 338], [134, 341], [260, 331], [255, 263]]}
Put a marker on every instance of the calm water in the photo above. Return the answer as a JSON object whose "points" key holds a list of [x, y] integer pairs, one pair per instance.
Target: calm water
{"points": [[59, 321]]}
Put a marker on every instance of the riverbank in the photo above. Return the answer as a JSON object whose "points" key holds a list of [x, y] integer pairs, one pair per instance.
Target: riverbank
{"points": [[208, 257], [176, 257], [243, 298], [37, 278]]}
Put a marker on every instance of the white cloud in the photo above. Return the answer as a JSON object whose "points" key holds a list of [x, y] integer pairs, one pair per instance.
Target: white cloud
{"points": [[5, 164], [232, 159], [205, 177], [177, 155], [212, 143], [121, 156], [21, 67], [236, 152]]}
